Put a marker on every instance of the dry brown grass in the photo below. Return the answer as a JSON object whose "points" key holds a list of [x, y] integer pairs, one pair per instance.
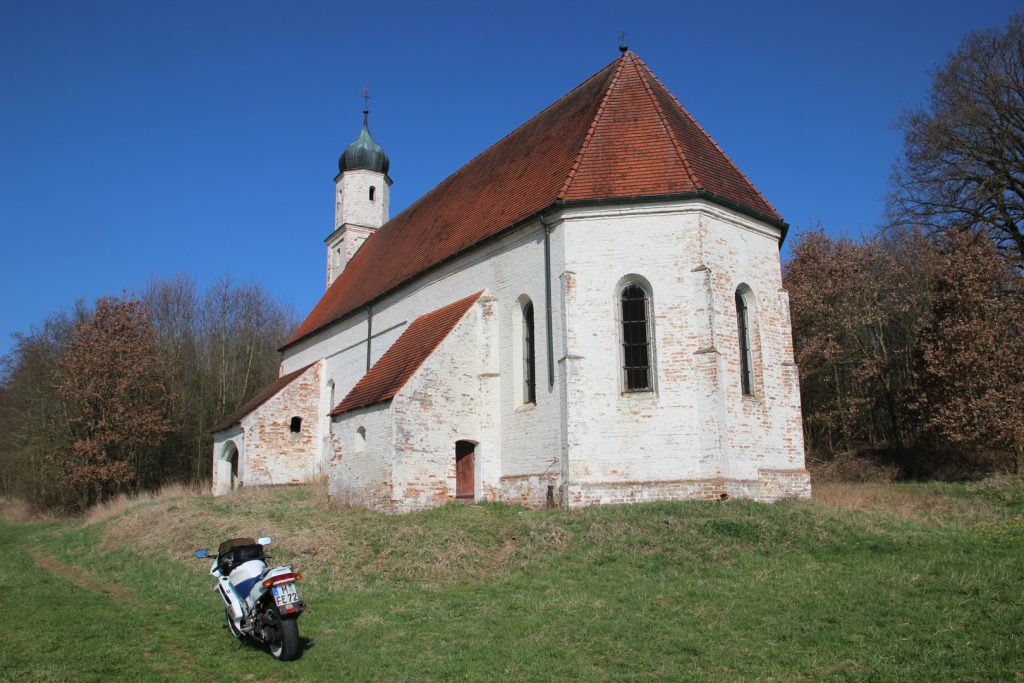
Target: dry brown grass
{"points": [[852, 467], [902, 501], [19, 511], [116, 505]]}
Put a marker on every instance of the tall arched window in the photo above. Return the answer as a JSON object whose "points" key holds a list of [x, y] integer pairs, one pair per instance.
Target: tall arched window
{"points": [[635, 306], [373, 192], [360, 440], [529, 356], [743, 331], [330, 395]]}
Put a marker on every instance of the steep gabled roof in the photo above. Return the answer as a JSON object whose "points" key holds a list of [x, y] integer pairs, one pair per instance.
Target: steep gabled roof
{"points": [[618, 135], [398, 364], [261, 397]]}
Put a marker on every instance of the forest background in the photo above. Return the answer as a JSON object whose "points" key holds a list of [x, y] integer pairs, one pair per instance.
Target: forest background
{"points": [[909, 341]]}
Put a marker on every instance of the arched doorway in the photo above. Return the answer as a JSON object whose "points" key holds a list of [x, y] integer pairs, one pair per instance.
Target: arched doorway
{"points": [[229, 466], [465, 471]]}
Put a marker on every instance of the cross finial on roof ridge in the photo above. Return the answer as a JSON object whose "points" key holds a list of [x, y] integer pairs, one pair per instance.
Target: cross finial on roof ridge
{"points": [[623, 48]]}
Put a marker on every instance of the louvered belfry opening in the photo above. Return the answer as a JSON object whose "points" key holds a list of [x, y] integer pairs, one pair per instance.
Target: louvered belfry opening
{"points": [[636, 344]]}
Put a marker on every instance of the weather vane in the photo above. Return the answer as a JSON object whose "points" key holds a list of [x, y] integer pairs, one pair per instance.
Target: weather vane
{"points": [[366, 97], [622, 43]]}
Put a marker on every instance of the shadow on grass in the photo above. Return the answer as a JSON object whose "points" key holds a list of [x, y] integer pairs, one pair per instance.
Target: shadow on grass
{"points": [[246, 642]]}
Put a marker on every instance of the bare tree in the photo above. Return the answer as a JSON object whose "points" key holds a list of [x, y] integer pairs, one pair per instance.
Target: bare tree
{"points": [[963, 158]]}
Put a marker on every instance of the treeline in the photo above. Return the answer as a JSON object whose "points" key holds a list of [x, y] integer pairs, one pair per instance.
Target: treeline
{"points": [[911, 342], [909, 346], [121, 396]]}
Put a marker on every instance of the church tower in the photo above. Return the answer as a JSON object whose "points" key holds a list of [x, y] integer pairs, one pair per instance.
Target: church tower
{"points": [[362, 193]]}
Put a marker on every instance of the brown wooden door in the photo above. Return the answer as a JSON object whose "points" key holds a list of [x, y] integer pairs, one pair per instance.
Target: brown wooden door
{"points": [[465, 456]]}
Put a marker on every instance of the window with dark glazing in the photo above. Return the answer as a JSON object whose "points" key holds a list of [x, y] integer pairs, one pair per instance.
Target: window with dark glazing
{"points": [[636, 338], [529, 356], [743, 330]]}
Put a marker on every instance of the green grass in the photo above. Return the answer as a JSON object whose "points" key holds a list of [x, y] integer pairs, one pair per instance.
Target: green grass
{"points": [[929, 588]]}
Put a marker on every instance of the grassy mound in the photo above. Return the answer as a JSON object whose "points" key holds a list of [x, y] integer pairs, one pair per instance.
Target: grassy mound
{"points": [[871, 581]]}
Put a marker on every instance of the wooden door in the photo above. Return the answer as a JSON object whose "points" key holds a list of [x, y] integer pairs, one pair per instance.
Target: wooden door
{"points": [[465, 457]]}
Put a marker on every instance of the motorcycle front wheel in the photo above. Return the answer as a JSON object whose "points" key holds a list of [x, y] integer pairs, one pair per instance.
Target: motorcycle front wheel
{"points": [[284, 645], [231, 625]]}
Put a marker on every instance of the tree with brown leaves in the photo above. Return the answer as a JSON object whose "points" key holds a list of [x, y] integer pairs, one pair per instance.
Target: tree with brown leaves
{"points": [[970, 373], [114, 383]]}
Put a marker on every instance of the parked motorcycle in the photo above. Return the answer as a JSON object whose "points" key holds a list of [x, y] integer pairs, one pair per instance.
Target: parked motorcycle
{"points": [[261, 603]]}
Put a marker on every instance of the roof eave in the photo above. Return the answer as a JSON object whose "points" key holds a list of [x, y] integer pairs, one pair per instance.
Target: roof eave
{"points": [[771, 220], [339, 411], [555, 205]]}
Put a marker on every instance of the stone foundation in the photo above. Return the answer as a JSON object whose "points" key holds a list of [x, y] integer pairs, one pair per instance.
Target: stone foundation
{"points": [[529, 490], [771, 485]]}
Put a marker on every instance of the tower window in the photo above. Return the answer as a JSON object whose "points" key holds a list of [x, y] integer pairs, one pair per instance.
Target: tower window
{"points": [[373, 191], [296, 425]]}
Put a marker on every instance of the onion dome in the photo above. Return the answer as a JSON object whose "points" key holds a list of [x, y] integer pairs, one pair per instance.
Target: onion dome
{"points": [[364, 152]]}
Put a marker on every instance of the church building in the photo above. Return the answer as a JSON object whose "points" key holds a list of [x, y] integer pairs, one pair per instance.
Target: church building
{"points": [[590, 311]]}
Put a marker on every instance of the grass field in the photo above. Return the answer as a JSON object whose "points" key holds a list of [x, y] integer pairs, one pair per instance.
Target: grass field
{"points": [[914, 582]]}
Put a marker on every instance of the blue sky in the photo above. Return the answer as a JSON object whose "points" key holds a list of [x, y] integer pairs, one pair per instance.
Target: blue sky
{"points": [[148, 138]]}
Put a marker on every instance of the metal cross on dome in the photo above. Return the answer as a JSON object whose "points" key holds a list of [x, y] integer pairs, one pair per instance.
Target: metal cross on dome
{"points": [[366, 97]]}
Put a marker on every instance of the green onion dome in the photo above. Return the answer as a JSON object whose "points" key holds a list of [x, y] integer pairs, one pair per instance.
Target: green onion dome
{"points": [[364, 152]]}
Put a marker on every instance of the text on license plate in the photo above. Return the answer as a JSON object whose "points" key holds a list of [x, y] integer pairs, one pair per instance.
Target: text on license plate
{"points": [[285, 594]]}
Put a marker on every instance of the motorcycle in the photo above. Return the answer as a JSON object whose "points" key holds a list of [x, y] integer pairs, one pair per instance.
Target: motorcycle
{"points": [[261, 603]]}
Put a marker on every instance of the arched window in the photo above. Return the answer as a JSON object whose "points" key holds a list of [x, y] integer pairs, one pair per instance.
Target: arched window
{"points": [[743, 332], [296, 424], [529, 356], [361, 439], [373, 191], [635, 307], [330, 395]]}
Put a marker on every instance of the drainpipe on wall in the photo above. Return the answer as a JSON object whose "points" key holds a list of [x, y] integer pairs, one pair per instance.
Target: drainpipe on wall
{"points": [[547, 300], [369, 333]]}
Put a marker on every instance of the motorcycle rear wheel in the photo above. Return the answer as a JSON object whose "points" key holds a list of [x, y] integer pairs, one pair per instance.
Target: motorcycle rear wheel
{"points": [[285, 645]]}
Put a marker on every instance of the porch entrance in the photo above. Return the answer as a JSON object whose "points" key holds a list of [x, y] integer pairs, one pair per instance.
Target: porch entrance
{"points": [[465, 459]]}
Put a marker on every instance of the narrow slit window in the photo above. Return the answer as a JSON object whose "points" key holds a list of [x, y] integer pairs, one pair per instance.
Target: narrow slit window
{"points": [[529, 356], [743, 329], [373, 191], [636, 339]]}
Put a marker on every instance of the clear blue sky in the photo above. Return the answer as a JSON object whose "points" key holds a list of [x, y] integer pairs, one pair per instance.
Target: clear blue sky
{"points": [[145, 138]]}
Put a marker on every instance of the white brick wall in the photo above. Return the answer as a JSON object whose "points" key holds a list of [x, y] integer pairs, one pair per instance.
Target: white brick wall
{"points": [[695, 435], [268, 451]]}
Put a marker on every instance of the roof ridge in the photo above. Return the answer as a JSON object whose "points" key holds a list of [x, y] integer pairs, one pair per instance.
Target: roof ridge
{"points": [[499, 141], [364, 392], [708, 136], [258, 399], [637, 63], [593, 126]]}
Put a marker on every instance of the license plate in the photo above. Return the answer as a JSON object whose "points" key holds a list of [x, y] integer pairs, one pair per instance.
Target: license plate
{"points": [[285, 594]]}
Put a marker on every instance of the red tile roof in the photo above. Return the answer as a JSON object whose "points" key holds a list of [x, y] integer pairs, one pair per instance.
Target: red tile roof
{"points": [[620, 134], [261, 397], [389, 374]]}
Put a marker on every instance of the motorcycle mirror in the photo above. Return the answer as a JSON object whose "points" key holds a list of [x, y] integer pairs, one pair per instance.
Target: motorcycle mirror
{"points": [[202, 552], [264, 540]]}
